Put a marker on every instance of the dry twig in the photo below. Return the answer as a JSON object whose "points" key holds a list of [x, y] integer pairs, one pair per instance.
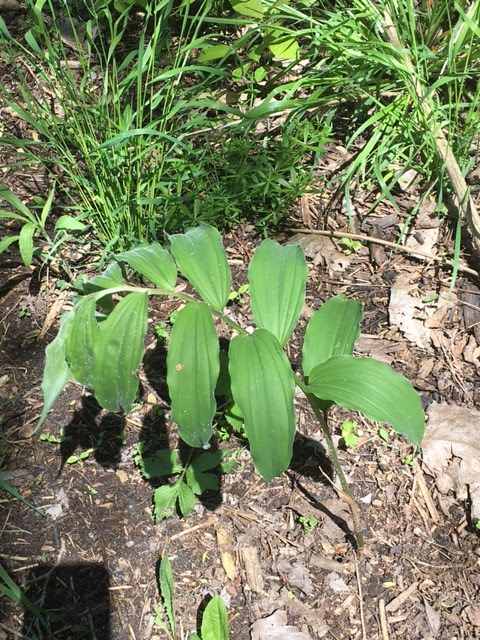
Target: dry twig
{"points": [[464, 199]]}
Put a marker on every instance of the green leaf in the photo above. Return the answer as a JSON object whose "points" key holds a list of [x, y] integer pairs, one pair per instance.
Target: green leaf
{"points": [[69, 223], [154, 263], [281, 44], [10, 589], [234, 417], [250, 8], [215, 52], [167, 590], [25, 242], [56, 372], [13, 492], [202, 260], [6, 242], [164, 501], [15, 202], [215, 620], [81, 339], [193, 365], [277, 275], [372, 387], [118, 352], [186, 499], [164, 462], [47, 207], [208, 460], [331, 331], [111, 277], [263, 386], [199, 481]]}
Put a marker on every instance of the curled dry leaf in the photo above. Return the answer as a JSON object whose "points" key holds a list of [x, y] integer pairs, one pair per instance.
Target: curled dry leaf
{"points": [[451, 451], [275, 628]]}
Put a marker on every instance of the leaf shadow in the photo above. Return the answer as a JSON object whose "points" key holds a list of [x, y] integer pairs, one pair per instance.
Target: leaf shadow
{"points": [[92, 428]]}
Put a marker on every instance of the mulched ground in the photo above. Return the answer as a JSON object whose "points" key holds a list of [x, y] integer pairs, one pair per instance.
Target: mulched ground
{"points": [[93, 556], [282, 549]]}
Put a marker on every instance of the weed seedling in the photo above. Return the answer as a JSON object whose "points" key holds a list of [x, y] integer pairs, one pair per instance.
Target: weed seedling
{"points": [[350, 433], [214, 620], [351, 246], [308, 523]]}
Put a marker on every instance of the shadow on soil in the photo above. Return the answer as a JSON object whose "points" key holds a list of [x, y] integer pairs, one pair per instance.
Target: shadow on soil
{"points": [[74, 599], [85, 431]]}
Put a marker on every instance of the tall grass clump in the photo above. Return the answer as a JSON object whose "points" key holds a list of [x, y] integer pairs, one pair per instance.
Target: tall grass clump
{"points": [[134, 125], [401, 80]]}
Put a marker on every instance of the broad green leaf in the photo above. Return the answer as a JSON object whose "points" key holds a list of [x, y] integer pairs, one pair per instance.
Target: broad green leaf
{"points": [[202, 260], [206, 461], [215, 620], [193, 364], [372, 387], [111, 277], [56, 373], [250, 8], [277, 275], [154, 263], [263, 387], [200, 481], [234, 417], [167, 590], [70, 223], [281, 44], [164, 501], [163, 462], [215, 52], [118, 352], [81, 339], [186, 499], [25, 242], [331, 331]]}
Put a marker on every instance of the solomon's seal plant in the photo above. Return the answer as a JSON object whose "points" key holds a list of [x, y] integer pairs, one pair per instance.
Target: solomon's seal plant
{"points": [[100, 345]]}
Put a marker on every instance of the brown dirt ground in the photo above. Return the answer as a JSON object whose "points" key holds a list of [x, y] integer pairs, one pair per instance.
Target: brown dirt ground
{"points": [[92, 558]]}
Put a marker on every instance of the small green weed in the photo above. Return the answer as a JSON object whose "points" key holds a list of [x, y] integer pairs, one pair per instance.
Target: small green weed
{"points": [[80, 458], [351, 246], [383, 434], [214, 619], [350, 433], [192, 479], [24, 312], [308, 523], [238, 296]]}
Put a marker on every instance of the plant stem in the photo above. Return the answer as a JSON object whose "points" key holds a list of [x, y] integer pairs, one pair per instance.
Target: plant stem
{"points": [[345, 493], [185, 297]]}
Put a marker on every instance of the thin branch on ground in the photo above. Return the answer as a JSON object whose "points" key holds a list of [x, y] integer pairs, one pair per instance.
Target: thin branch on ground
{"points": [[386, 243], [462, 192]]}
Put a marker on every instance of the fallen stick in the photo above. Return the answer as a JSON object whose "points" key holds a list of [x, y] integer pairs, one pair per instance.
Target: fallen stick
{"points": [[465, 202]]}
